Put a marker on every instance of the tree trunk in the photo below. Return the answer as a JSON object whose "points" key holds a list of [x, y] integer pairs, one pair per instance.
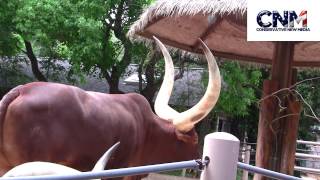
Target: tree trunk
{"points": [[34, 62], [152, 86], [113, 81], [114, 88], [152, 83], [113, 78]]}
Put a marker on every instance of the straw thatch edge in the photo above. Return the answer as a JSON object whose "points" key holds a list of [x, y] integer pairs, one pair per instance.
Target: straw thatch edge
{"points": [[184, 7], [163, 8], [187, 7]]}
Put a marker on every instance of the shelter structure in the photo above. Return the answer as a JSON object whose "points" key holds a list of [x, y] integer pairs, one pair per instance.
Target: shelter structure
{"points": [[221, 24]]}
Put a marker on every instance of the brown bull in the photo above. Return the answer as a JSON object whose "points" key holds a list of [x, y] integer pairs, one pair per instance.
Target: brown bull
{"points": [[67, 125]]}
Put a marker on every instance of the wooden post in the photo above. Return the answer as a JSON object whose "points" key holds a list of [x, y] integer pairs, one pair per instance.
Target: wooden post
{"points": [[290, 133], [278, 127], [266, 137]]}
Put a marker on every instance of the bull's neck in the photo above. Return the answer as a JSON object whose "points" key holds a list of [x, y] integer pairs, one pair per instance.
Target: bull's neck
{"points": [[162, 144]]}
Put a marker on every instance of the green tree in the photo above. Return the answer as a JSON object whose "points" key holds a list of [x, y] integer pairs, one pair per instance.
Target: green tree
{"points": [[9, 41], [240, 91], [310, 99], [91, 35], [102, 43], [29, 24], [238, 88], [11, 75]]}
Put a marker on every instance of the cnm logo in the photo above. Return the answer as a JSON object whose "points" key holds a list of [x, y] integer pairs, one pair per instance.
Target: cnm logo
{"points": [[287, 19]]}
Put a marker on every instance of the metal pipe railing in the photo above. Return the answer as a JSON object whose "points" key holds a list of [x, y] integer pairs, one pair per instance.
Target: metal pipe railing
{"points": [[265, 172], [220, 148], [312, 156], [308, 170], [112, 173], [308, 142]]}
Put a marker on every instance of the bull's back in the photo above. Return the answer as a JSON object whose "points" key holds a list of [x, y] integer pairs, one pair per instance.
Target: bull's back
{"points": [[63, 124]]}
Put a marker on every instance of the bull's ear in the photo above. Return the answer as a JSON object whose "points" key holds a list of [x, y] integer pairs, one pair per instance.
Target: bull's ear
{"points": [[189, 137]]}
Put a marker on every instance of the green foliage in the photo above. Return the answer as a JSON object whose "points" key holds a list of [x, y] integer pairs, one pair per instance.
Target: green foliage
{"points": [[140, 53], [311, 99], [62, 29], [90, 34], [238, 89], [9, 41], [10, 73]]}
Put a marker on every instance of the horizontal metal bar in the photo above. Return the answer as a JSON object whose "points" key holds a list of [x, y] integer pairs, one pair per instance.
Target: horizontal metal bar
{"points": [[308, 142], [266, 172], [112, 173], [308, 160], [304, 169], [302, 155], [306, 150], [248, 143]]}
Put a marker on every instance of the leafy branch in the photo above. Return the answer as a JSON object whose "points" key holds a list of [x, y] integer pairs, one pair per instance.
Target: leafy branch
{"points": [[291, 90]]}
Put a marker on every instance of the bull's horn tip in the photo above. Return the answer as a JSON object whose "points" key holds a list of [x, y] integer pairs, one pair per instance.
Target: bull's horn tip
{"points": [[200, 40], [202, 43], [117, 144]]}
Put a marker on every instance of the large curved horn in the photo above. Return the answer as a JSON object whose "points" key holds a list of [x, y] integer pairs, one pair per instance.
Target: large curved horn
{"points": [[46, 168], [39, 168], [186, 120], [102, 162], [161, 103]]}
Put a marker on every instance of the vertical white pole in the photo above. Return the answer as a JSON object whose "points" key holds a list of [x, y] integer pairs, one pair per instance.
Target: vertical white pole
{"points": [[247, 161], [183, 173], [223, 151]]}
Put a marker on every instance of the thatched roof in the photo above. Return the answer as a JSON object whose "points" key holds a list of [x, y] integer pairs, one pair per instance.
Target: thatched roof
{"points": [[186, 7], [222, 26]]}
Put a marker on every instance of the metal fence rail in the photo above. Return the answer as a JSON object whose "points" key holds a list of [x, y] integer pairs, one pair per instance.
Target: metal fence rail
{"points": [[312, 156], [112, 173], [308, 142], [308, 156], [265, 172], [307, 170], [221, 149]]}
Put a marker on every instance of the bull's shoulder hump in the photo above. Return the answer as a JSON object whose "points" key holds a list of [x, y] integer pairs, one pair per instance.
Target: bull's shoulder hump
{"points": [[139, 100], [38, 94], [48, 87], [137, 97]]}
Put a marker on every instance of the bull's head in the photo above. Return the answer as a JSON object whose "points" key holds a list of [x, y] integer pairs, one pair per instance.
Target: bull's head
{"points": [[176, 130], [46, 168], [185, 121]]}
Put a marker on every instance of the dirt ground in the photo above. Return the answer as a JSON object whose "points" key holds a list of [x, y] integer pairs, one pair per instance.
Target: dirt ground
{"points": [[311, 177], [166, 177]]}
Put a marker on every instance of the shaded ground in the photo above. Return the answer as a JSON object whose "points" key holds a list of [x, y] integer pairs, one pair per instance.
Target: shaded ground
{"points": [[311, 177]]}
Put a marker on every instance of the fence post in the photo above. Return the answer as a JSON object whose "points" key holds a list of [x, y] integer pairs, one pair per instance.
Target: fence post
{"points": [[183, 172], [247, 151], [223, 150]]}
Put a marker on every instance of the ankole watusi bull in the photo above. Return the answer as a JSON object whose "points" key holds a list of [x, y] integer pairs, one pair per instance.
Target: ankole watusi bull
{"points": [[64, 124]]}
